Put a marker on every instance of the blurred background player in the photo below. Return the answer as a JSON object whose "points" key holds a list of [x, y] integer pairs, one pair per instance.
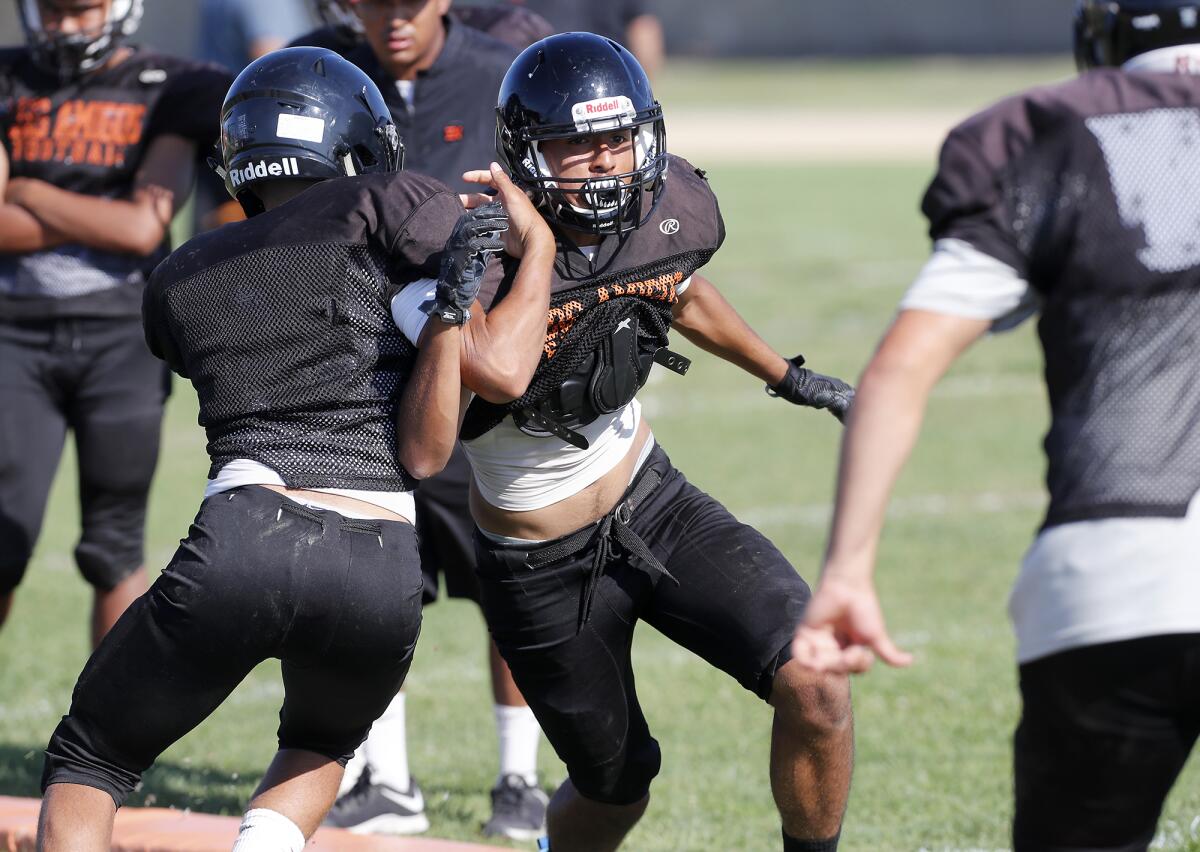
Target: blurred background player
{"points": [[1080, 202], [439, 78], [514, 25], [100, 143], [234, 33], [631, 23], [584, 526]]}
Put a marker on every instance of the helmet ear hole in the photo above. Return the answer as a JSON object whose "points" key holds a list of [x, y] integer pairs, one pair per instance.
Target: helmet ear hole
{"points": [[365, 157]]}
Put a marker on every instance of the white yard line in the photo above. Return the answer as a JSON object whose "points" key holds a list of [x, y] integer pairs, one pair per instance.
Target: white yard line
{"points": [[916, 506]]}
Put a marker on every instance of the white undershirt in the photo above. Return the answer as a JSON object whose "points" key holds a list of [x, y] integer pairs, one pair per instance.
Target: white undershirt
{"points": [[241, 472], [1087, 582], [520, 472]]}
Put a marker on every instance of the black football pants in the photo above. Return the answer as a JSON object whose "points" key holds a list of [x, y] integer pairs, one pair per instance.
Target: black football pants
{"points": [[338, 601], [563, 615]]}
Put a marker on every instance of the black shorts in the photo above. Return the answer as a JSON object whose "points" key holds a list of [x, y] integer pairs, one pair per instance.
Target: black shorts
{"points": [[445, 530], [1104, 732], [566, 627], [97, 378], [259, 576]]}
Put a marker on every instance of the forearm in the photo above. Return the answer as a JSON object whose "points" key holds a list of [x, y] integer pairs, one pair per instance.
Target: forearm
{"points": [[126, 227], [883, 428], [645, 40], [502, 349], [21, 232], [427, 415], [706, 319]]}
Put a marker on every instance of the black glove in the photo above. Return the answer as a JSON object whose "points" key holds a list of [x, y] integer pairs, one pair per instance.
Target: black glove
{"points": [[801, 386], [476, 235]]}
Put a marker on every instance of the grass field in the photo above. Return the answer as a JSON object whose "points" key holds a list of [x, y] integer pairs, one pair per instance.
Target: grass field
{"points": [[816, 258]]}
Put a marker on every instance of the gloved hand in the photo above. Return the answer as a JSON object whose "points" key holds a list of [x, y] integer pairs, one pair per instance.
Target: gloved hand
{"points": [[801, 386], [475, 236]]}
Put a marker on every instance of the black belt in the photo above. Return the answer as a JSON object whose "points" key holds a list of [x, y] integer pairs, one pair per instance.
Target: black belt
{"points": [[612, 529]]}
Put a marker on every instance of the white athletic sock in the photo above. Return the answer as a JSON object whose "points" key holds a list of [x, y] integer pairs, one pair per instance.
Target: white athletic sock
{"points": [[354, 770], [386, 748], [518, 732], [265, 830]]}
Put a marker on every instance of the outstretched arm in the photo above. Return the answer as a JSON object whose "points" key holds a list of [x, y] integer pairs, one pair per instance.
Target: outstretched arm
{"points": [[136, 225], [843, 627], [502, 347], [706, 319]]}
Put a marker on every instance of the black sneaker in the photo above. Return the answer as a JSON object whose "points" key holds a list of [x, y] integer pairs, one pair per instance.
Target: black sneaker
{"points": [[518, 810], [370, 808]]}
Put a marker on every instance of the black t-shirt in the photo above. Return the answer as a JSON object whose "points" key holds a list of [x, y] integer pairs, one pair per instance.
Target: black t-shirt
{"points": [[450, 126], [283, 324], [90, 136], [1090, 190]]}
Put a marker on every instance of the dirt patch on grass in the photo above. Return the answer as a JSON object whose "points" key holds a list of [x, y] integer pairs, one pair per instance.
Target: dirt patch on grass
{"points": [[751, 136]]}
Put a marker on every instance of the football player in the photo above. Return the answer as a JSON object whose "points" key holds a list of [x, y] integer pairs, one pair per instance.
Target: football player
{"points": [[440, 86], [99, 144], [1078, 202], [321, 414], [516, 26], [585, 527]]}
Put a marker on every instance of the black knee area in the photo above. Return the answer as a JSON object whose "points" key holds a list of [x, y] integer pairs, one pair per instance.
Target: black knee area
{"points": [[623, 781], [105, 558], [16, 549], [74, 756]]}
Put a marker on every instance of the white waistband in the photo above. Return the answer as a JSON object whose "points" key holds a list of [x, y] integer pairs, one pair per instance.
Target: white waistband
{"points": [[241, 472]]}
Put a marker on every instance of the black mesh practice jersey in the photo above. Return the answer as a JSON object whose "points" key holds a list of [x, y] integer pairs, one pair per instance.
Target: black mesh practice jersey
{"points": [[449, 127], [90, 136], [633, 276], [1091, 191], [282, 322]]}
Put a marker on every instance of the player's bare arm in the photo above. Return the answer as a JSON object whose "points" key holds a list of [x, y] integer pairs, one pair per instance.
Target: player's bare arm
{"points": [[706, 319], [430, 407], [136, 225], [843, 627], [501, 348], [20, 230]]}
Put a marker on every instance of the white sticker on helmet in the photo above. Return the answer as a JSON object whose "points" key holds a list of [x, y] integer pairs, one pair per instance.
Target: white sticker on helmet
{"points": [[603, 114], [300, 127]]}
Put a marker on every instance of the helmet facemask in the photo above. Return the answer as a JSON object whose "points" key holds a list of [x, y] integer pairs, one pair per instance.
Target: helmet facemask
{"points": [[70, 55], [612, 204]]}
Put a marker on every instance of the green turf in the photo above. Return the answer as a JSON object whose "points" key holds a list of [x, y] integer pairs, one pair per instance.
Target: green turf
{"points": [[816, 258], [893, 84]]}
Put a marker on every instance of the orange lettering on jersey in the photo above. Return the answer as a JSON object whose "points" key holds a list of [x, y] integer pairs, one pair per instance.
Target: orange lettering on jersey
{"points": [[562, 319], [97, 133]]}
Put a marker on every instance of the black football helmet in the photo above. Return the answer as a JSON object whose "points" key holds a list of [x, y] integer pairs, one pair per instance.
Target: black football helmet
{"points": [[303, 113], [70, 55], [575, 84], [1110, 32]]}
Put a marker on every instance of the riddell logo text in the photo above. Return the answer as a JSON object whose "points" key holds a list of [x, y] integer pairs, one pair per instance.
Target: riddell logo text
{"points": [[287, 167], [603, 107]]}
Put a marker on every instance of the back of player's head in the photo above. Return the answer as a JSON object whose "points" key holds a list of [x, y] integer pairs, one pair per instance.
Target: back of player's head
{"points": [[572, 85], [1111, 32], [303, 113], [70, 52]]}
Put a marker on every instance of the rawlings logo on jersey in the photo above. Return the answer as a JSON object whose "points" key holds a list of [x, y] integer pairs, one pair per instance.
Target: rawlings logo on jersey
{"points": [[96, 133], [603, 113], [287, 167]]}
